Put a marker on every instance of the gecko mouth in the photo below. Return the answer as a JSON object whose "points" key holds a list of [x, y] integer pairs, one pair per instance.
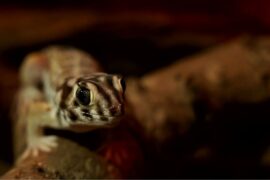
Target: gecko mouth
{"points": [[101, 119], [102, 116]]}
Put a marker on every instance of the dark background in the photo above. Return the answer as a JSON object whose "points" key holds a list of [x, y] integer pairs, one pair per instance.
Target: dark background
{"points": [[134, 38]]}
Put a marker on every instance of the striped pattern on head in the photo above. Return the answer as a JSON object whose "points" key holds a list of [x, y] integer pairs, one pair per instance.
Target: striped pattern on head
{"points": [[96, 99]]}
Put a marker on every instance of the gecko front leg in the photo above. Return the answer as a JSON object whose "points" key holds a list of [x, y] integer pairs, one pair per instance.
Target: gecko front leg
{"points": [[38, 116]]}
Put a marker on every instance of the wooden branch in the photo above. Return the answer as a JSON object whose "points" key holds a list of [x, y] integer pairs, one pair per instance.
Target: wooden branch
{"points": [[112, 153], [68, 161], [163, 101]]}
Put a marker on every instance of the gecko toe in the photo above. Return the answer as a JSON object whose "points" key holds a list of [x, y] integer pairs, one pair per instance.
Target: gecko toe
{"points": [[41, 144]]}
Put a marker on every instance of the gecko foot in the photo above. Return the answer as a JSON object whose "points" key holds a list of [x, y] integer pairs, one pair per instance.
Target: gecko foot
{"points": [[43, 144]]}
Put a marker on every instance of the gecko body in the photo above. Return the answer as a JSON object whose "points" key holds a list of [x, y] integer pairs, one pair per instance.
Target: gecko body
{"points": [[65, 88]]}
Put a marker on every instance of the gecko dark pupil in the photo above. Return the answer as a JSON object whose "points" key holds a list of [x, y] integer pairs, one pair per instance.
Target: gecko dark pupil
{"points": [[83, 96]]}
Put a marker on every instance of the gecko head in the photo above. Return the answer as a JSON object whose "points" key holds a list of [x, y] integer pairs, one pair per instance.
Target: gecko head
{"points": [[96, 100]]}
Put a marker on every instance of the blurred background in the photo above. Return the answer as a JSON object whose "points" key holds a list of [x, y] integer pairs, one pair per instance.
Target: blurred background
{"points": [[134, 38]]}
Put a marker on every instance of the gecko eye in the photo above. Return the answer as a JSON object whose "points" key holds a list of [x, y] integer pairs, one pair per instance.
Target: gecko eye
{"points": [[83, 95], [123, 84]]}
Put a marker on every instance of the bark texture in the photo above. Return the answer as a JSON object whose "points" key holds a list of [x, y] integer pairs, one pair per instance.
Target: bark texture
{"points": [[68, 161]]}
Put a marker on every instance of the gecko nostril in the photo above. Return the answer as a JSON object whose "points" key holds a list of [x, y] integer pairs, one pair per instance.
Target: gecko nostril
{"points": [[113, 110], [116, 110]]}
